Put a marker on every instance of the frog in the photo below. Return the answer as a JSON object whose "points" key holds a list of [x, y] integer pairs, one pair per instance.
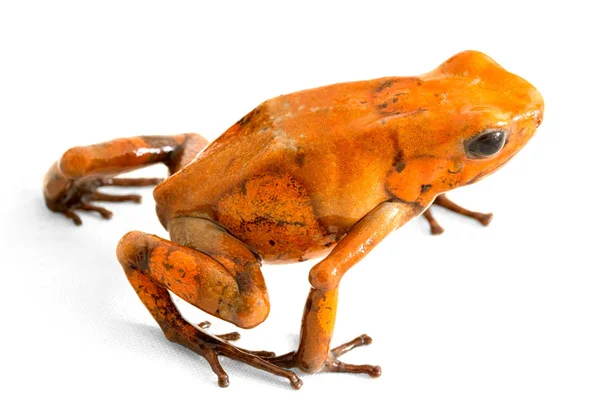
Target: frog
{"points": [[327, 172]]}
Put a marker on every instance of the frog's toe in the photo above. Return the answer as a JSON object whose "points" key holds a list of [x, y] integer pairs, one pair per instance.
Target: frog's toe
{"points": [[73, 216], [90, 193], [105, 213], [131, 181], [336, 366], [229, 336], [70, 213], [233, 336], [204, 325], [362, 340], [484, 219], [261, 353], [102, 197]]}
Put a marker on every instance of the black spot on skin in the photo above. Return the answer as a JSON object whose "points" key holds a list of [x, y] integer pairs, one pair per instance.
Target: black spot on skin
{"points": [[300, 159], [399, 163], [384, 85], [382, 106], [329, 244], [425, 188], [248, 117], [271, 242]]}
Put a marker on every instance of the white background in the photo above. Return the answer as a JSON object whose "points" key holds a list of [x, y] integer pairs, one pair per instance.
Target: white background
{"points": [[497, 319]]}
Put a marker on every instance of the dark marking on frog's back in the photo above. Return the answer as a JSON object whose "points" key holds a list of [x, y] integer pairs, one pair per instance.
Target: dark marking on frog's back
{"points": [[300, 158], [399, 163], [384, 85], [246, 119]]}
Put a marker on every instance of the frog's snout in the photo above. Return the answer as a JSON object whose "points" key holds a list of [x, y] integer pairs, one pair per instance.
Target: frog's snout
{"points": [[539, 116], [537, 102]]}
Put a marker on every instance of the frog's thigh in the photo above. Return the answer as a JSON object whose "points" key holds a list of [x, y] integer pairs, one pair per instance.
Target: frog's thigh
{"points": [[233, 293], [234, 256]]}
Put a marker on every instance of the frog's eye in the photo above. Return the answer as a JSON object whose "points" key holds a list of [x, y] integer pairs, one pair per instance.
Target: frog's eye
{"points": [[485, 144]]}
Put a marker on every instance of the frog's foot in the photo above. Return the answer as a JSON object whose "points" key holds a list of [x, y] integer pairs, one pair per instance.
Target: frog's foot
{"points": [[80, 195], [332, 364], [212, 346], [234, 336], [444, 202]]}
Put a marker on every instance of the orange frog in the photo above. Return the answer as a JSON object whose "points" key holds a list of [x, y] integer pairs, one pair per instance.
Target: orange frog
{"points": [[331, 170]]}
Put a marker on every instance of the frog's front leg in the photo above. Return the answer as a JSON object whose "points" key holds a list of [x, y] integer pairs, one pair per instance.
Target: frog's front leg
{"points": [[318, 321], [71, 183], [230, 287], [443, 201]]}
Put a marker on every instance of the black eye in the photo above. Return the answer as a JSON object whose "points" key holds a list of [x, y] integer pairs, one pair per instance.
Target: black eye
{"points": [[485, 145]]}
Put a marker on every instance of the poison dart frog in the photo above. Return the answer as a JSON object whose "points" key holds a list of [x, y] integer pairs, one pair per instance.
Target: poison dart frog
{"points": [[327, 172]]}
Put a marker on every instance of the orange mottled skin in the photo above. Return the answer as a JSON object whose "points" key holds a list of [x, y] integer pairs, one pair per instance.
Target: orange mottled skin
{"points": [[331, 170]]}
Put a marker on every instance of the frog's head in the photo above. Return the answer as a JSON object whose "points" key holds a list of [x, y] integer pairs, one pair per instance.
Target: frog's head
{"points": [[473, 116]]}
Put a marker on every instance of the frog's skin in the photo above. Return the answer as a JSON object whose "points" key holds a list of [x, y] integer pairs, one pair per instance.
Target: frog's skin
{"points": [[331, 170]]}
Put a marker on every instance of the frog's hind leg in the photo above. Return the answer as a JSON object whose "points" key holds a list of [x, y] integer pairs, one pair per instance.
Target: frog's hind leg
{"points": [[443, 201], [71, 183], [155, 266]]}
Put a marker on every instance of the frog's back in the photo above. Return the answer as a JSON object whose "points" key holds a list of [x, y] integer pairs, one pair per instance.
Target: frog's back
{"points": [[295, 135], [292, 176]]}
